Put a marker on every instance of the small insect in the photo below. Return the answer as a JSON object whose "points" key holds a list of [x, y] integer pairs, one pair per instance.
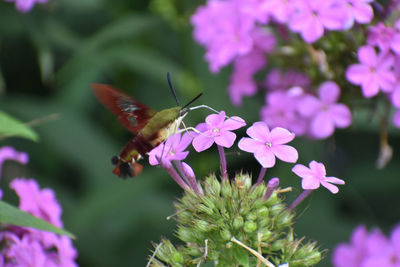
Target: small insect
{"points": [[149, 126]]}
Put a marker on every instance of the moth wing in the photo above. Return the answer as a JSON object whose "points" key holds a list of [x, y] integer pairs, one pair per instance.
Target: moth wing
{"points": [[132, 114]]}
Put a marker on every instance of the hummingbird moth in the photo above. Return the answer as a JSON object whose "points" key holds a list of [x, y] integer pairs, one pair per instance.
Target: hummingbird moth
{"points": [[150, 128]]}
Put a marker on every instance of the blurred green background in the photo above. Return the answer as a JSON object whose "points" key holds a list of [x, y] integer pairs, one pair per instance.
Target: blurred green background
{"points": [[48, 58]]}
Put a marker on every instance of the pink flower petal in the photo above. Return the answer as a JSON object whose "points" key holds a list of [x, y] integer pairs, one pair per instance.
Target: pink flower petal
{"points": [[396, 96], [329, 92], [201, 142], [333, 188], [341, 115], [264, 157], [363, 13], [233, 123], [258, 131], [309, 183], [285, 153], [370, 85], [396, 118], [215, 120], [308, 105], [249, 145], [367, 55], [280, 136], [313, 31], [318, 168], [386, 80], [334, 180], [322, 125], [302, 171], [226, 139], [356, 73]]}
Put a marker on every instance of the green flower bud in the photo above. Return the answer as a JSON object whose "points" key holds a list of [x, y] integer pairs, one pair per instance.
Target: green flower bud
{"points": [[258, 192], [205, 209], [278, 244], [276, 209], [202, 226], [273, 199], [226, 235], [265, 234], [226, 188], [262, 212], [177, 257], [238, 222], [249, 226], [252, 216]]}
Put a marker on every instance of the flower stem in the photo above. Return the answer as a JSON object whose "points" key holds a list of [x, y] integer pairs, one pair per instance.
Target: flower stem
{"points": [[261, 175], [174, 174], [223, 162], [300, 198], [272, 185]]}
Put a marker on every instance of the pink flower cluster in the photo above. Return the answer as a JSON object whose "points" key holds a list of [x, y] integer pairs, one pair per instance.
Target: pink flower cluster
{"points": [[234, 31], [26, 5], [27, 246], [369, 249], [299, 110], [378, 69], [266, 145]]}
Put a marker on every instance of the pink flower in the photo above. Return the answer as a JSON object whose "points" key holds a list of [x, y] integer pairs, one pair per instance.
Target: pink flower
{"points": [[315, 176], [41, 203], [325, 112], [217, 129], [27, 252], [395, 95], [172, 149], [384, 37], [224, 28], [311, 17], [351, 255], [278, 80], [26, 5], [267, 145], [373, 73], [281, 110], [280, 10], [369, 249], [359, 11]]}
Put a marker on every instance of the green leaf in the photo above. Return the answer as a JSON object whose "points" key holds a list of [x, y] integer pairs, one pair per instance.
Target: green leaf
{"points": [[14, 216], [10, 126]]}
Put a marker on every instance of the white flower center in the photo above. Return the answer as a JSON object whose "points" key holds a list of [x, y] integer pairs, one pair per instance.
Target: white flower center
{"points": [[268, 144]]}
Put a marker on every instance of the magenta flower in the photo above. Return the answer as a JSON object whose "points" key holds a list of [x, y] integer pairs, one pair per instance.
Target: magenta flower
{"points": [[359, 11], [278, 80], [369, 249], [267, 145], [315, 176], [281, 110], [350, 255], [217, 129], [280, 10], [325, 113], [40, 202], [172, 149], [384, 37], [224, 28], [26, 5], [311, 17], [373, 73]]}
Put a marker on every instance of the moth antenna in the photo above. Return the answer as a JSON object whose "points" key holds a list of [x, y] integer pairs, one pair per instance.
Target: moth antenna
{"points": [[172, 89], [185, 108]]}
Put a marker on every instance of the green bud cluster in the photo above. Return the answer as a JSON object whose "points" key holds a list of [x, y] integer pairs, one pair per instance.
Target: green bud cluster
{"points": [[228, 211]]}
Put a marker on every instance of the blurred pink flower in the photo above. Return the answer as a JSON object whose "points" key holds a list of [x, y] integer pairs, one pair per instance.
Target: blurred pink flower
{"points": [[311, 17], [224, 28], [281, 110], [315, 176], [325, 113], [359, 11], [26, 5], [267, 145], [280, 10], [384, 37], [217, 129], [373, 73], [279, 80], [396, 118], [9, 153], [369, 249]]}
